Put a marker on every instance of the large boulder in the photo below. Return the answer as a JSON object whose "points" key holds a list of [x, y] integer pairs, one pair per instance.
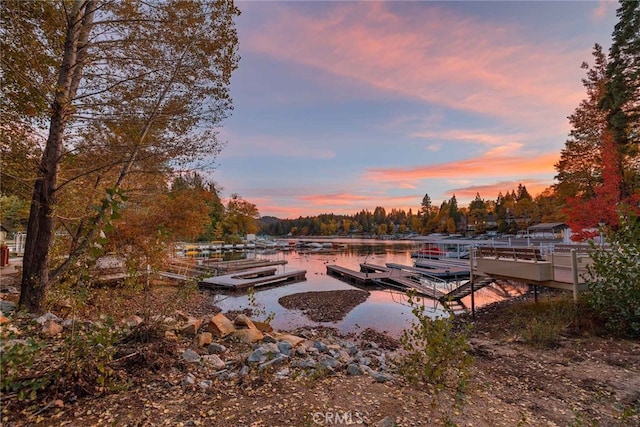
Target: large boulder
{"points": [[220, 325]]}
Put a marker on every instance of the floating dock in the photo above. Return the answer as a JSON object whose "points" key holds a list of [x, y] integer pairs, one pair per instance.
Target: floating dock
{"points": [[439, 272], [406, 278], [252, 279]]}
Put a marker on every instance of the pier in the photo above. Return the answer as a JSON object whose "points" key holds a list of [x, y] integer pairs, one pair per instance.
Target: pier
{"points": [[402, 279]]}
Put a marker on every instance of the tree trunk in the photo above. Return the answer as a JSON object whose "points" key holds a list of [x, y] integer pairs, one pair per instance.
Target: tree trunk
{"points": [[40, 228]]}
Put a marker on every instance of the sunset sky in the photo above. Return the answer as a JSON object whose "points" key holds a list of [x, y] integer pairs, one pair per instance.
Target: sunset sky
{"points": [[344, 106]]}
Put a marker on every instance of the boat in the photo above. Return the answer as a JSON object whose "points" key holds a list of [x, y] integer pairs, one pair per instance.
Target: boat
{"points": [[431, 250]]}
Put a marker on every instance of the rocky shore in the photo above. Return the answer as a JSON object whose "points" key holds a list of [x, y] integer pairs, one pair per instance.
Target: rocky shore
{"points": [[178, 361]]}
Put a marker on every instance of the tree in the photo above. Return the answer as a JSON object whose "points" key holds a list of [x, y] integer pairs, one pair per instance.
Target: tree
{"points": [[139, 88], [478, 214], [241, 217], [580, 165], [621, 99]]}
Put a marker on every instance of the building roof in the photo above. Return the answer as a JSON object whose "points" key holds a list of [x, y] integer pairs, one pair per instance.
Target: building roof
{"points": [[546, 226]]}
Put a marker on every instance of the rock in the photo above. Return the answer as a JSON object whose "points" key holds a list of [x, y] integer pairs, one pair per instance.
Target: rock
{"points": [[216, 348], [352, 349], [205, 384], [9, 290], [189, 379], [262, 326], [248, 336], [285, 348], [46, 317], [283, 373], [7, 306], [181, 316], [133, 321], [328, 362], [344, 357], [276, 361], [364, 361], [353, 369], [268, 338], [291, 339], [262, 353], [244, 371], [204, 339], [322, 347], [51, 328], [214, 360], [191, 356], [386, 422], [244, 321], [170, 335], [304, 363], [220, 325], [191, 328], [257, 356], [381, 377]]}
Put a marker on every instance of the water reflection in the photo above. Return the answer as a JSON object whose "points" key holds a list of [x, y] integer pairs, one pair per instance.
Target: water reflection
{"points": [[384, 310]]}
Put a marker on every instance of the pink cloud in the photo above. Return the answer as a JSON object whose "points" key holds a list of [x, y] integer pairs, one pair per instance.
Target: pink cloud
{"points": [[491, 191], [478, 67], [486, 166]]}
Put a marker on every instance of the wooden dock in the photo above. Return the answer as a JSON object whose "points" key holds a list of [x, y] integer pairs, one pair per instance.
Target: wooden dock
{"points": [[252, 279], [371, 275], [439, 272], [405, 279]]}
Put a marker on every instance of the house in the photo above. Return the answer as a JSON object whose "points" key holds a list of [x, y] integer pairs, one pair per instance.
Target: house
{"points": [[549, 230]]}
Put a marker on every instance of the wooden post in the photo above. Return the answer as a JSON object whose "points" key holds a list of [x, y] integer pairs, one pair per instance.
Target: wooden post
{"points": [[574, 273]]}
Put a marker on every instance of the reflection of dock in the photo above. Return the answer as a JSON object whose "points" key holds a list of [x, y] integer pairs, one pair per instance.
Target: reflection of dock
{"points": [[252, 279]]}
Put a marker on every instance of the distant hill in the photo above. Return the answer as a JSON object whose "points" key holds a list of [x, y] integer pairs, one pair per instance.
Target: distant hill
{"points": [[269, 220]]}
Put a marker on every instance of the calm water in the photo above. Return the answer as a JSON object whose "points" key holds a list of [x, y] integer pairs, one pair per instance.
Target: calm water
{"points": [[384, 310]]}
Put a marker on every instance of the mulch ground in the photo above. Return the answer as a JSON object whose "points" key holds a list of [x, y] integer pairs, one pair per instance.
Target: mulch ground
{"points": [[326, 306]]}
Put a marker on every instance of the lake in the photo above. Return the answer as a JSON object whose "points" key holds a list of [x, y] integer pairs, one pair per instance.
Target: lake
{"points": [[384, 310]]}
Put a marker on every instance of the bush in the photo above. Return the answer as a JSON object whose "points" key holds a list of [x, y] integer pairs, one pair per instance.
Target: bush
{"points": [[541, 324], [614, 278], [435, 353]]}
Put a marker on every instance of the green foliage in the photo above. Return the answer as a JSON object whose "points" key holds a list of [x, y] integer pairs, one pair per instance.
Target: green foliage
{"points": [[17, 356], [541, 324], [88, 353], [435, 353], [614, 278]]}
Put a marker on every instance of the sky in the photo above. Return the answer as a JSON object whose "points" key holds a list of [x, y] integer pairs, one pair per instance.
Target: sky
{"points": [[345, 106]]}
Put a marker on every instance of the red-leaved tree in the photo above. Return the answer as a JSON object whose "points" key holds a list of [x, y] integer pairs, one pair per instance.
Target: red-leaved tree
{"points": [[585, 215]]}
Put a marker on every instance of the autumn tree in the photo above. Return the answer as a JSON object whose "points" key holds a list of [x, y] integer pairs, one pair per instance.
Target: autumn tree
{"points": [[477, 218], [124, 89], [241, 218], [617, 96], [580, 165]]}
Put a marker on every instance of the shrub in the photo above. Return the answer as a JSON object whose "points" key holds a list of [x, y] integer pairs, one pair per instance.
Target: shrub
{"points": [[436, 354], [614, 278], [17, 357]]}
